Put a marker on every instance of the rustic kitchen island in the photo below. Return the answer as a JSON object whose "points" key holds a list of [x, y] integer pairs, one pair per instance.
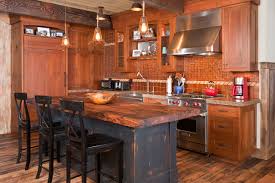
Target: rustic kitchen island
{"points": [[149, 135]]}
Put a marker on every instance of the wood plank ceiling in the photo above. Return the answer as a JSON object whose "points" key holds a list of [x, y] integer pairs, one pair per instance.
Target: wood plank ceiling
{"points": [[110, 6]]}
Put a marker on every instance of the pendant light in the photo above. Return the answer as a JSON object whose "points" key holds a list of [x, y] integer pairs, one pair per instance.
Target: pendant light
{"points": [[143, 23], [65, 39], [97, 33], [136, 6]]}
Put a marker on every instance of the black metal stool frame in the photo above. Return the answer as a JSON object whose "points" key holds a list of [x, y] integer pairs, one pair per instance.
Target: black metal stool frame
{"points": [[77, 139], [24, 126], [48, 132]]}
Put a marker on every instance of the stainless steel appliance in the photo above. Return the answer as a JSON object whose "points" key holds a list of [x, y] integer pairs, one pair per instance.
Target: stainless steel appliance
{"points": [[123, 85], [197, 34], [107, 84], [192, 132]]}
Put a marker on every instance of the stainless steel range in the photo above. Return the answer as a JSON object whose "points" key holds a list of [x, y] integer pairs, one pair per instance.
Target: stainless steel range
{"points": [[192, 132]]}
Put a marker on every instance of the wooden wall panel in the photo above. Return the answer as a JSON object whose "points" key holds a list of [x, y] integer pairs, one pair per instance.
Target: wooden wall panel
{"points": [[267, 125], [5, 74]]}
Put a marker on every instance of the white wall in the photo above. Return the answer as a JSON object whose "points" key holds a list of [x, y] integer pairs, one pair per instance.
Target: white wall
{"points": [[5, 74], [267, 31]]}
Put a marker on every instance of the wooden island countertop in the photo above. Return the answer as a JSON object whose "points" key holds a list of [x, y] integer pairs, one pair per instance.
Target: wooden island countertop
{"points": [[135, 114]]}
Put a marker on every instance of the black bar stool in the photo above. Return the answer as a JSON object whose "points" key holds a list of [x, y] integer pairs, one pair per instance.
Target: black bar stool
{"points": [[79, 140], [49, 131], [24, 126]]}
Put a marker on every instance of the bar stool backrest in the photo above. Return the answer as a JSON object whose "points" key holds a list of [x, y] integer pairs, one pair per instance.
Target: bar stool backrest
{"points": [[43, 108], [72, 112], [23, 115]]}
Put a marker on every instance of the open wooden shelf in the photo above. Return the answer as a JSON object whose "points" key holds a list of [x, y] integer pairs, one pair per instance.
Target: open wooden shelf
{"points": [[153, 57], [146, 39], [37, 36]]}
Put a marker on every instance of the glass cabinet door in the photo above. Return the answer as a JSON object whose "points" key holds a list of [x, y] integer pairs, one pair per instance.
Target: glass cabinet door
{"points": [[120, 49]]}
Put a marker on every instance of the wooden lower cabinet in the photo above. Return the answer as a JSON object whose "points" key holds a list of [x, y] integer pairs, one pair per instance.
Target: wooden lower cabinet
{"points": [[231, 131]]}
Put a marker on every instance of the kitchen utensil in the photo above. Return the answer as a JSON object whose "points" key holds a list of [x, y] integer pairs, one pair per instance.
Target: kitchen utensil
{"points": [[210, 90]]}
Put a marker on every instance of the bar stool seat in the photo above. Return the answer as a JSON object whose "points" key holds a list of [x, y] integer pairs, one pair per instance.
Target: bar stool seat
{"points": [[97, 143]]}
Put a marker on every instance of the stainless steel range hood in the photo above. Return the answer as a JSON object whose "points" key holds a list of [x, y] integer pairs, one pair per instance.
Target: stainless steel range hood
{"points": [[197, 34]]}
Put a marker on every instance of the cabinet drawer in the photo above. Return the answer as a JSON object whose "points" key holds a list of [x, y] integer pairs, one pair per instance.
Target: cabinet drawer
{"points": [[223, 111], [221, 126], [222, 148]]}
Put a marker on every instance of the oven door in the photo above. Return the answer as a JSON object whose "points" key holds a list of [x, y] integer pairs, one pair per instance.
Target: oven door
{"points": [[192, 130]]}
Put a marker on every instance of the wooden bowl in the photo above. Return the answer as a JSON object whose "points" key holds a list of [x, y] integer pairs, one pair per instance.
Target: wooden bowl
{"points": [[101, 98]]}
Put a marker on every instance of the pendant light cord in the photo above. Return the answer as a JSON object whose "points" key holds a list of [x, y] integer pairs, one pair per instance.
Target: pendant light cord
{"points": [[97, 20], [65, 17], [143, 8]]}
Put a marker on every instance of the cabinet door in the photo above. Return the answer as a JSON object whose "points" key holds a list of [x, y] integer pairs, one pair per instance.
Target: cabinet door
{"points": [[121, 55], [44, 72], [80, 68], [80, 60], [239, 31], [166, 33]]}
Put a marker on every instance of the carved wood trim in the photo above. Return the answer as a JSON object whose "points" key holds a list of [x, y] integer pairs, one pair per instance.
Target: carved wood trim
{"points": [[51, 11]]}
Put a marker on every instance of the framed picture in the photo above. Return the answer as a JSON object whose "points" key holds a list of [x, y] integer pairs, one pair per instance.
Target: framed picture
{"points": [[136, 35], [136, 53], [53, 33], [43, 31], [29, 30], [59, 33]]}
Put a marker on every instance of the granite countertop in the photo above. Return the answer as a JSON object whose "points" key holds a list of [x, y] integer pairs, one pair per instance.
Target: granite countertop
{"points": [[232, 102], [135, 114]]}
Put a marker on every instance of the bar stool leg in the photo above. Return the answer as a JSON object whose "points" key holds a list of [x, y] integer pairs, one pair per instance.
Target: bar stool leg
{"points": [[19, 144], [45, 148], [84, 165], [28, 148], [68, 164], [40, 154], [58, 151], [51, 158], [120, 176], [98, 168]]}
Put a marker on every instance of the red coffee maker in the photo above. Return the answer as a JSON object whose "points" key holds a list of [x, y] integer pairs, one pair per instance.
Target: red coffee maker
{"points": [[240, 88]]}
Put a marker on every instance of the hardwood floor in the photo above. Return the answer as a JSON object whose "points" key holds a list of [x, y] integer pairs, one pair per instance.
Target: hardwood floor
{"points": [[192, 167]]}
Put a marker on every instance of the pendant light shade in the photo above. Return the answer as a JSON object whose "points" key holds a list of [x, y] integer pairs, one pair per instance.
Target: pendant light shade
{"points": [[97, 35], [136, 7], [143, 23], [65, 41]]}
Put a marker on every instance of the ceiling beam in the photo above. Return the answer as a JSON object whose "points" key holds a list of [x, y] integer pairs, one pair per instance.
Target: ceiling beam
{"points": [[175, 6], [51, 11]]}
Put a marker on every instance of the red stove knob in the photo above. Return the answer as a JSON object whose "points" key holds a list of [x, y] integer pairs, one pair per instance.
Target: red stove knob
{"points": [[199, 104], [186, 103], [195, 104]]}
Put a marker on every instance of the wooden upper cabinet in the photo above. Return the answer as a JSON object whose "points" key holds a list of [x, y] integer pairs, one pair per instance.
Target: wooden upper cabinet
{"points": [[38, 63], [239, 37], [121, 52], [80, 59], [167, 29]]}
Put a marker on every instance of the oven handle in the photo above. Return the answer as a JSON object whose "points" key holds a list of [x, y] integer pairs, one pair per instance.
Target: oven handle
{"points": [[203, 114]]}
